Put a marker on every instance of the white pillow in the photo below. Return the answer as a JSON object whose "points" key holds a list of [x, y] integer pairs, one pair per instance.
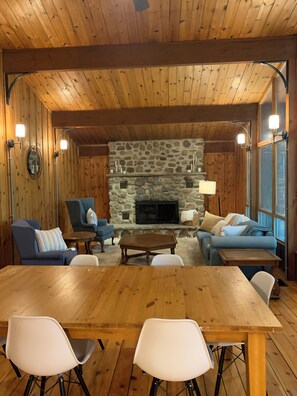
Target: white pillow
{"points": [[235, 218], [217, 229], [233, 230], [49, 240], [92, 217]]}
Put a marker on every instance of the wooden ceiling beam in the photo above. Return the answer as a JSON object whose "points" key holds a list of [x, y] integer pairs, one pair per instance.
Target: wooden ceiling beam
{"points": [[154, 115], [149, 54]]}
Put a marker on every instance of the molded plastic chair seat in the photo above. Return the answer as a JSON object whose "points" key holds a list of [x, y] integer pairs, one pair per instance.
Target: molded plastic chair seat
{"points": [[172, 350], [85, 259], [263, 283], [39, 346], [167, 259]]}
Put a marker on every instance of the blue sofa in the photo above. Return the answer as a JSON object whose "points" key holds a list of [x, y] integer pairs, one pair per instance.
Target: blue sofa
{"points": [[259, 237]]}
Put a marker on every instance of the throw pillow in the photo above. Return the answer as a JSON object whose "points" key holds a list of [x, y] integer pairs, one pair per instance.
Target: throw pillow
{"points": [[49, 240], [232, 230], [217, 229], [229, 217], [91, 217], [209, 221]]}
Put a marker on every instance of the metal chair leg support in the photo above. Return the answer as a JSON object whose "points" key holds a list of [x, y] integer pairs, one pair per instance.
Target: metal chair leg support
{"points": [[154, 388], [81, 381], [61, 385], [220, 371], [189, 387], [28, 386], [101, 344], [42, 385], [195, 386]]}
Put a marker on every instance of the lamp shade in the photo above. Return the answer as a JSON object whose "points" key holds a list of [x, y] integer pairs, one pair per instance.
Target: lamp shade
{"points": [[241, 138], [20, 130], [273, 121], [207, 187], [63, 144]]}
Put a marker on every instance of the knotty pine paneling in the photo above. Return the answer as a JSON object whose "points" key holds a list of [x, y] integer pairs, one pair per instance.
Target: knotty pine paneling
{"points": [[224, 168], [93, 182], [33, 199]]}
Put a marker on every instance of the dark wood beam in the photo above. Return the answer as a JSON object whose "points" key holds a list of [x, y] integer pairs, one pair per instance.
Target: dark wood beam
{"points": [[93, 150], [149, 54], [154, 115]]}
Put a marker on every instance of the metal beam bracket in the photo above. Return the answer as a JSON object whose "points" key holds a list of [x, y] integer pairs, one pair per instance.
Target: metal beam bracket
{"points": [[8, 87], [284, 78]]}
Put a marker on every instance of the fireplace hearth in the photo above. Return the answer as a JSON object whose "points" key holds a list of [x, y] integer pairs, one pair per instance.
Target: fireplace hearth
{"points": [[157, 212]]}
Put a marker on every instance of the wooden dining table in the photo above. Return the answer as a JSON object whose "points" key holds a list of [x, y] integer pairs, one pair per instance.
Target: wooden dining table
{"points": [[114, 301]]}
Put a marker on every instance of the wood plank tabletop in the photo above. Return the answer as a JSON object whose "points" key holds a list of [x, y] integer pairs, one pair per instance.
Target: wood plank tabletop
{"points": [[115, 301]]}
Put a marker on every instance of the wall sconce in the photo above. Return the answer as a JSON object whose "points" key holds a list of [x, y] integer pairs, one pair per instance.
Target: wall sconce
{"points": [[273, 124], [20, 132], [243, 138], [63, 143]]}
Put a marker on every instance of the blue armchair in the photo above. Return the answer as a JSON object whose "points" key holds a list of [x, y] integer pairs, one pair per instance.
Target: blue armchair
{"points": [[25, 239], [77, 209]]}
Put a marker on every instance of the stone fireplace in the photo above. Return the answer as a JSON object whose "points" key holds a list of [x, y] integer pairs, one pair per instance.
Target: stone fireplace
{"points": [[154, 170]]}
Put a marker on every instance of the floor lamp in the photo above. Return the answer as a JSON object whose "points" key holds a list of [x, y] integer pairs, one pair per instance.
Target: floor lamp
{"points": [[208, 187]]}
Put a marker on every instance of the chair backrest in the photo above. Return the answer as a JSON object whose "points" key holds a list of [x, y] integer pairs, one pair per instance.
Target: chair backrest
{"points": [[25, 238], [172, 349], [167, 259], [39, 346], [263, 282], [77, 210], [85, 259]]}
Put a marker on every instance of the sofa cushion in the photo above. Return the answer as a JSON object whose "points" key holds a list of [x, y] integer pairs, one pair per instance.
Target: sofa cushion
{"points": [[209, 221], [235, 218], [50, 240], [217, 229], [230, 230]]}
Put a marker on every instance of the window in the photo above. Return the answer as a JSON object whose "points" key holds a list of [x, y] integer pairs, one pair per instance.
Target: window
{"points": [[265, 111], [265, 177]]}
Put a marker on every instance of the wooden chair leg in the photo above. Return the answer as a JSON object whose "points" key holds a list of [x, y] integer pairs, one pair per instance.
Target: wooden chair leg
{"points": [[102, 246], [29, 385], [220, 371], [112, 240]]}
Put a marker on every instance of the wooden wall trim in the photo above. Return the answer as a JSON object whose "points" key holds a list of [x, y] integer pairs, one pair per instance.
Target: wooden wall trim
{"points": [[93, 150], [149, 54], [154, 115]]}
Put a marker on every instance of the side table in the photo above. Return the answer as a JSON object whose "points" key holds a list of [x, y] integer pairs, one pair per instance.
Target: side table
{"points": [[80, 236], [252, 257]]}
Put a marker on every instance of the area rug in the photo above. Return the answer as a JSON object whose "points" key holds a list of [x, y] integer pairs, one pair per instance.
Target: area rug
{"points": [[187, 248]]}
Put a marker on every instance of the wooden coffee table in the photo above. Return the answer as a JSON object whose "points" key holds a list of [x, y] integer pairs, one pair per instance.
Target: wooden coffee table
{"points": [[252, 257], [80, 236], [146, 242]]}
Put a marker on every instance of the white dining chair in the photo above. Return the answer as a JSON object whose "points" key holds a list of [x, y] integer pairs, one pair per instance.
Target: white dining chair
{"points": [[173, 350], [3, 345], [167, 259], [263, 283], [85, 259], [39, 346]]}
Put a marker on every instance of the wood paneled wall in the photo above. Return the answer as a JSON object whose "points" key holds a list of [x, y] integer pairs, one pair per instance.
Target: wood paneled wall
{"points": [[228, 169], [32, 199], [93, 182]]}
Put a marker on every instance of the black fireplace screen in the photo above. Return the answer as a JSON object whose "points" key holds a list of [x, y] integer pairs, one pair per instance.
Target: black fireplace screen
{"points": [[154, 212]]}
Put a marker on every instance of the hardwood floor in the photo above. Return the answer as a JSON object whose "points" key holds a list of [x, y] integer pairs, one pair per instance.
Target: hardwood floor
{"points": [[111, 372]]}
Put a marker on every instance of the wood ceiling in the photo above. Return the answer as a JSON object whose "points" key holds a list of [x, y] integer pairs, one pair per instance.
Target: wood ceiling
{"points": [[29, 24]]}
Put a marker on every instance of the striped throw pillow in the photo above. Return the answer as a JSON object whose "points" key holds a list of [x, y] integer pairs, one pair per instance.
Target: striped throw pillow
{"points": [[49, 240]]}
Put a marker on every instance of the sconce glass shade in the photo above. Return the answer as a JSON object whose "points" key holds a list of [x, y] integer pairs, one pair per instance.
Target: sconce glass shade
{"points": [[273, 121], [63, 144], [20, 130], [207, 187], [241, 138]]}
